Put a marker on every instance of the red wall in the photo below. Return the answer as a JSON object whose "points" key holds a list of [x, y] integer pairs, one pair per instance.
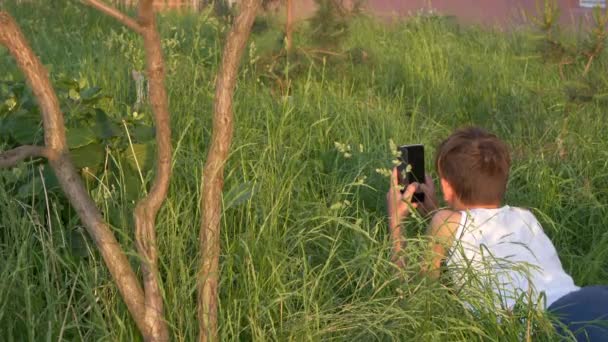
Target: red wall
{"points": [[492, 12], [473, 11]]}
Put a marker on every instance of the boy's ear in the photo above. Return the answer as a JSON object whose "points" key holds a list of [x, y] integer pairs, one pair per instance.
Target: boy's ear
{"points": [[448, 191]]}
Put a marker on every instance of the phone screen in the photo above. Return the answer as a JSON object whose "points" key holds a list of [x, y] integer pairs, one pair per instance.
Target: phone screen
{"points": [[412, 155]]}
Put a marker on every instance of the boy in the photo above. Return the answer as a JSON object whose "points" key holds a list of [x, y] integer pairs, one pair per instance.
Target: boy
{"points": [[477, 232]]}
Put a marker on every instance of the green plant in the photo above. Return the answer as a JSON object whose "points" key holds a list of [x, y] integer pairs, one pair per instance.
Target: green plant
{"points": [[596, 41], [101, 145], [329, 24], [293, 267]]}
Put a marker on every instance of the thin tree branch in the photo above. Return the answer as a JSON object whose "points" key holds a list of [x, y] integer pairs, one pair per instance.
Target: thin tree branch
{"points": [[66, 173], [148, 207], [213, 180], [115, 13], [13, 157], [588, 65]]}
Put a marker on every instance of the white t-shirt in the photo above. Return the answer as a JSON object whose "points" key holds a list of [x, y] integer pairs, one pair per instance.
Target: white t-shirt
{"points": [[509, 252]]}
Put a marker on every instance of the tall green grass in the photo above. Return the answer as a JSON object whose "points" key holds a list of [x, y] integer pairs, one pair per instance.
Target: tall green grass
{"points": [[305, 252]]}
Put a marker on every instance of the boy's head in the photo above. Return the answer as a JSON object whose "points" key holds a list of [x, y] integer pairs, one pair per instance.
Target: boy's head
{"points": [[474, 167]]}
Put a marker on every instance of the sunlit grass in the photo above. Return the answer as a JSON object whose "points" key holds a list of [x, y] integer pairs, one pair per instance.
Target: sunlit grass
{"points": [[305, 254]]}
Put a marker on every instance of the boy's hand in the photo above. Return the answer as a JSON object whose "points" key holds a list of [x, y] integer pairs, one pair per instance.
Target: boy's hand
{"points": [[398, 204], [430, 199]]}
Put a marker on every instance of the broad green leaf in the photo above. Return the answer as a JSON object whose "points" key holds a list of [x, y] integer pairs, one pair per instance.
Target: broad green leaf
{"points": [[73, 94], [132, 186], [143, 133], [80, 136], [120, 216], [30, 105], [5, 130], [25, 129], [82, 83], [66, 82], [104, 127], [90, 93], [115, 216], [89, 156], [18, 89], [10, 103], [50, 180], [140, 155]]}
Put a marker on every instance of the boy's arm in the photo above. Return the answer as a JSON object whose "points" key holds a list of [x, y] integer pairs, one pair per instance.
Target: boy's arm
{"points": [[398, 206], [441, 232]]}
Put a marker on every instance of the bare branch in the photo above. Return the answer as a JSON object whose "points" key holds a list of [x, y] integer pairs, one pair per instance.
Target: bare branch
{"points": [[115, 13], [147, 209], [213, 180], [13, 157], [146, 13], [588, 65], [66, 173]]}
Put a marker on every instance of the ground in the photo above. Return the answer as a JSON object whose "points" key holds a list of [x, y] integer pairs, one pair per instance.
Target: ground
{"points": [[304, 234]]}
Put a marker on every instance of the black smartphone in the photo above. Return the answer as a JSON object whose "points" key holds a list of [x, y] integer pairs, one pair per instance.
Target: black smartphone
{"points": [[412, 155]]}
